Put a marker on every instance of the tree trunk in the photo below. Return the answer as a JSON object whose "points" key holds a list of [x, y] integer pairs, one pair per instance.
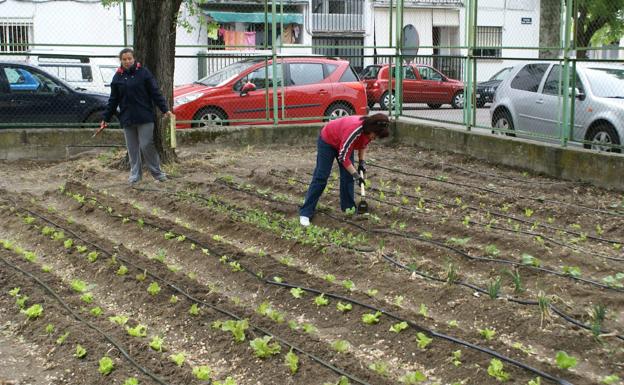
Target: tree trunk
{"points": [[588, 25], [154, 44], [550, 28]]}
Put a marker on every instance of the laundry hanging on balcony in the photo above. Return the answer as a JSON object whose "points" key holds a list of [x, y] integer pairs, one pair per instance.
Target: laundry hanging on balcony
{"points": [[254, 17]]}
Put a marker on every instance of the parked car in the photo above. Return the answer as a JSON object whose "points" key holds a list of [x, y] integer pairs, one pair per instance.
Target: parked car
{"points": [[30, 95], [421, 84], [485, 90], [308, 88], [530, 100]]}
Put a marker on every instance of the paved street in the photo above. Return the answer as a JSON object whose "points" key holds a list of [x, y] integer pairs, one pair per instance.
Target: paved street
{"points": [[445, 113]]}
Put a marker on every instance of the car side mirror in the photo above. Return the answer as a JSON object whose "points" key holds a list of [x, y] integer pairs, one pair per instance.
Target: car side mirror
{"points": [[580, 95], [58, 90], [247, 88]]}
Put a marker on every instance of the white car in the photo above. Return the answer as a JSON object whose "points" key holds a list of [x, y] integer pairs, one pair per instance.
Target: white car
{"points": [[530, 100]]}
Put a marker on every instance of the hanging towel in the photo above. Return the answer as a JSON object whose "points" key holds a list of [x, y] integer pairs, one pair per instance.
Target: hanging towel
{"points": [[288, 36], [250, 40], [229, 37]]}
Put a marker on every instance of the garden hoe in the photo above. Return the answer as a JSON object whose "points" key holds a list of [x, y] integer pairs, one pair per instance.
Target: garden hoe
{"points": [[362, 207]]}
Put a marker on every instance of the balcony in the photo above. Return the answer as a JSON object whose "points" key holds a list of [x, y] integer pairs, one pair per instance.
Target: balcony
{"points": [[338, 16]]}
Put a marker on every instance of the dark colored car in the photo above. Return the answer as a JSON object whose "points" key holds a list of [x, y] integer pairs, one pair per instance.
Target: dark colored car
{"points": [[421, 84], [486, 89], [30, 95], [308, 88]]}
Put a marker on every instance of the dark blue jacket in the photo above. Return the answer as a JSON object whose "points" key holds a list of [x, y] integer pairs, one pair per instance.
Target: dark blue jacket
{"points": [[135, 91]]}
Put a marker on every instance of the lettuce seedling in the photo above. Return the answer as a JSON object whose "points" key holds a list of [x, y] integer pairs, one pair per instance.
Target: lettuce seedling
{"points": [[496, 370], [371, 319], [423, 310], [181, 238], [20, 301], [153, 288], [309, 328], [118, 319], [14, 292], [173, 299], [530, 260], [321, 300], [456, 358], [348, 284], [329, 278], [413, 378], [228, 381], [80, 351], [137, 331], [156, 343], [96, 311], [292, 361], [487, 334], [380, 368], [297, 292], [92, 256], [131, 381], [58, 236], [564, 361], [33, 312], [87, 297], [341, 346], [423, 340], [79, 286], [237, 328], [123, 270], [30, 256], [536, 381], [106, 366], [169, 235], [344, 307], [235, 266], [29, 220], [46, 268], [62, 338], [81, 249], [263, 349], [572, 271], [194, 310], [49, 329], [178, 359], [47, 230], [610, 380], [202, 373], [372, 292], [69, 243], [492, 250], [399, 327]]}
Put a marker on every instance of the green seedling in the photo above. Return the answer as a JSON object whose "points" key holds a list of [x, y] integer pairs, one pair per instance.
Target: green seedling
{"points": [[202, 373], [263, 349], [309, 328], [372, 292], [29, 220], [292, 361], [157, 343], [169, 235], [341, 346], [398, 300], [348, 284], [381, 368], [14, 292], [492, 250], [493, 288], [81, 249], [118, 319], [96, 311], [92, 256], [138, 331], [517, 280], [610, 380], [235, 266], [456, 358], [495, 369], [227, 381], [86, 298], [30, 256], [33, 312], [141, 276], [160, 255], [329, 278], [598, 315], [321, 300], [344, 307], [131, 381], [69, 243], [423, 340], [173, 299], [544, 305], [194, 310], [237, 328], [80, 351], [452, 323], [564, 361], [181, 238], [79, 286], [106, 366], [413, 378], [62, 338], [399, 327], [535, 381], [572, 271], [122, 270], [58, 236], [49, 329], [530, 260], [371, 319], [297, 292], [487, 334], [46, 268], [178, 359], [528, 212], [153, 288], [20, 301], [47, 231], [458, 241], [451, 273]]}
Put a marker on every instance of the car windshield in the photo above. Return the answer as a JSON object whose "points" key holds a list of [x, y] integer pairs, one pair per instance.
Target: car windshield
{"points": [[226, 74], [502, 74], [606, 82]]}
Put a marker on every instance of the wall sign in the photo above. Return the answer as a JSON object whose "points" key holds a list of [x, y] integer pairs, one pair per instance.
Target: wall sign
{"points": [[527, 20]]}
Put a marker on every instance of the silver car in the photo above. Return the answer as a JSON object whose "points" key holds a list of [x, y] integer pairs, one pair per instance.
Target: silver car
{"points": [[530, 100]]}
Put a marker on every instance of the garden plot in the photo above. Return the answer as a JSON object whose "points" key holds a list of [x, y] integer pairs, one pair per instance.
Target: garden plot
{"points": [[462, 273]]}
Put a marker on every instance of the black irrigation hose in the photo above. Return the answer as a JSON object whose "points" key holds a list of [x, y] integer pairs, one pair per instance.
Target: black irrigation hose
{"points": [[199, 301], [79, 318], [612, 213], [411, 323], [483, 291]]}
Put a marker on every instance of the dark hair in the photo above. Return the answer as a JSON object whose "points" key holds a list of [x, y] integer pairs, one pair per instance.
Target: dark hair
{"points": [[377, 123], [126, 50]]}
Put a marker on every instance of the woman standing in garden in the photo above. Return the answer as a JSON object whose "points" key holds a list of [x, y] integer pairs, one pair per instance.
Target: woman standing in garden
{"points": [[337, 140], [135, 91]]}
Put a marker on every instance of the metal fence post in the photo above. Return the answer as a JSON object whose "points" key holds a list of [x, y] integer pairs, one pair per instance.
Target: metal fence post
{"points": [[471, 17], [398, 99], [273, 65], [565, 114]]}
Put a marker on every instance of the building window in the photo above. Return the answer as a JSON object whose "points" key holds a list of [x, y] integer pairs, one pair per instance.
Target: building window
{"points": [[15, 36], [350, 48], [489, 37]]}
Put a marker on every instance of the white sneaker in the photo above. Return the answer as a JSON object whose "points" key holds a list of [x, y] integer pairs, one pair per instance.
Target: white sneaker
{"points": [[305, 221]]}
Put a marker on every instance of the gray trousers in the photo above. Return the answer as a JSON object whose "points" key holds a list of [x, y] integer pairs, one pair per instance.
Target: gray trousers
{"points": [[140, 139]]}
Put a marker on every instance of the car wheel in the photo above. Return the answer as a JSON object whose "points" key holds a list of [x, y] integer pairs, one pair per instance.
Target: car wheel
{"points": [[502, 121], [387, 99], [434, 106], [601, 136], [337, 111], [209, 117], [458, 100]]}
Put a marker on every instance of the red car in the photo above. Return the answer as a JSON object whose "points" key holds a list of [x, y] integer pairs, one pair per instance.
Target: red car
{"points": [[421, 84], [309, 89]]}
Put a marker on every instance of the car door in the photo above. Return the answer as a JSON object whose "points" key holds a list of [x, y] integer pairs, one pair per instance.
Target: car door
{"points": [[524, 97], [37, 98], [410, 85], [6, 115], [432, 88], [257, 105], [307, 90]]}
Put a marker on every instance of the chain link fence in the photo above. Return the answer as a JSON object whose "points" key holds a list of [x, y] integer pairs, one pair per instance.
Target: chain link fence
{"points": [[550, 70]]}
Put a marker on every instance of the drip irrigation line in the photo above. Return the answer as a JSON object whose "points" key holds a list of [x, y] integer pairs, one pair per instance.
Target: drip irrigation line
{"points": [[612, 213], [391, 315], [79, 318], [202, 302], [552, 307]]}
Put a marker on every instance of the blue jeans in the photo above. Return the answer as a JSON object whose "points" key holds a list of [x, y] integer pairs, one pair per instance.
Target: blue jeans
{"points": [[325, 157]]}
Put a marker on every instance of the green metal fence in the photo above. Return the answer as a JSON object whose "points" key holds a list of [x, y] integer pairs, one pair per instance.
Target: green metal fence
{"points": [[549, 70]]}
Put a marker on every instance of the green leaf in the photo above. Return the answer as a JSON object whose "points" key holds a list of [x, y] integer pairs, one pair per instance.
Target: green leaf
{"points": [[228, 381], [49, 329], [344, 307], [329, 277], [173, 299], [34, 311], [487, 334], [572, 271], [62, 338], [495, 369], [137, 331], [123, 270], [423, 310], [118, 319], [372, 292], [341, 346], [237, 328], [371, 319], [156, 343], [296, 292], [263, 349], [96, 311], [348, 284], [69, 243], [412, 378], [202, 372], [106, 366], [292, 361], [92, 256], [398, 327], [79, 286], [423, 340], [131, 381], [536, 381], [530, 260], [321, 300], [564, 361], [379, 367], [80, 351], [194, 310], [153, 288], [14, 292], [178, 359], [87, 297], [609, 380]]}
